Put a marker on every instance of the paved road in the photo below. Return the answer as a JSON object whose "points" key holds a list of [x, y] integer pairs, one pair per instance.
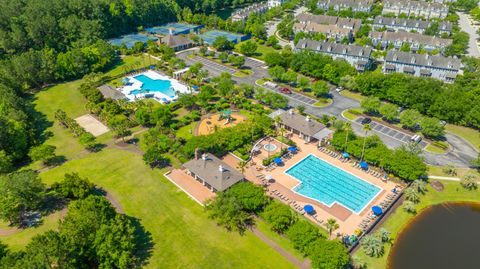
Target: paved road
{"points": [[466, 26], [460, 154], [272, 26]]}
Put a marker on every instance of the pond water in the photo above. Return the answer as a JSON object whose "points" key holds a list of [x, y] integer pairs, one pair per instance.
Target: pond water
{"points": [[443, 236]]}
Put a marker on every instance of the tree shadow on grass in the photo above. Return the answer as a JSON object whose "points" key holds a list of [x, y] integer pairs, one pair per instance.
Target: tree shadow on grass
{"points": [[144, 242]]}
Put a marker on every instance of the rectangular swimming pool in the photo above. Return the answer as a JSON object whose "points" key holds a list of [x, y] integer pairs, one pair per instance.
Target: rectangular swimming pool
{"points": [[328, 184]]}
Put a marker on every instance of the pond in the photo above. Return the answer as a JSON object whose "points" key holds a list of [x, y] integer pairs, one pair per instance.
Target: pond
{"points": [[443, 236]]}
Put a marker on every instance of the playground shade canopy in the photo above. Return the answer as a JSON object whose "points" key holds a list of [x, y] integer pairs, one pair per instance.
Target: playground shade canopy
{"points": [[377, 210]]}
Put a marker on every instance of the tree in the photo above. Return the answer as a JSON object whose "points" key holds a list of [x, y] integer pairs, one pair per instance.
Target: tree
{"points": [[223, 56], [272, 41], [432, 127], [331, 225], [276, 72], [420, 186], [411, 195], [389, 111], [187, 101], [238, 61], [366, 128], [405, 47], [74, 187], [450, 170], [328, 254], [44, 153], [372, 245], [251, 197], [224, 84], [347, 127], [221, 43], [371, 104], [279, 216], [6, 164], [88, 141], [20, 192], [384, 235], [469, 182], [320, 88], [303, 83], [154, 158], [302, 234], [248, 48], [227, 211], [410, 118], [409, 207]]}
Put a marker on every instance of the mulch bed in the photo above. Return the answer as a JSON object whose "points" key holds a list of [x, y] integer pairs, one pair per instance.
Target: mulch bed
{"points": [[437, 185]]}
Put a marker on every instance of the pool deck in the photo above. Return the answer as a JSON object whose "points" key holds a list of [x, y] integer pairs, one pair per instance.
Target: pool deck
{"points": [[284, 183]]}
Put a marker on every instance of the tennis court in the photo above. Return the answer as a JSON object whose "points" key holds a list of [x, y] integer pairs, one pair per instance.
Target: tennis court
{"points": [[210, 36], [177, 29], [130, 40]]}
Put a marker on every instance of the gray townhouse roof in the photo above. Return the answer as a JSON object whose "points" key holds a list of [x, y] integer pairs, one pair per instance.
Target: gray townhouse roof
{"points": [[109, 92], [251, 9], [334, 48], [425, 60], [414, 4], [320, 28], [214, 171], [303, 124], [411, 38], [346, 3], [348, 23], [408, 23]]}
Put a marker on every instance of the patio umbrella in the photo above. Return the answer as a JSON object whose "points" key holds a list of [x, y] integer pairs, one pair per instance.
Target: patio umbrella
{"points": [[346, 155], [268, 177], [277, 161], [125, 80], [377, 210], [309, 209], [364, 165], [292, 149]]}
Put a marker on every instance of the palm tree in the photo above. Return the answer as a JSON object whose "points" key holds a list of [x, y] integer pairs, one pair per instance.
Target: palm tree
{"points": [[242, 165], [372, 245], [332, 225], [347, 127], [367, 128], [412, 195]]}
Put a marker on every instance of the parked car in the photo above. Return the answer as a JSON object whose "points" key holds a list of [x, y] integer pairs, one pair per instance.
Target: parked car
{"points": [[416, 139], [366, 120], [339, 89], [285, 90]]}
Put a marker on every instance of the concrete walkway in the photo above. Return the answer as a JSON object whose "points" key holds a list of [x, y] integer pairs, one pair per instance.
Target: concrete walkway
{"points": [[445, 178]]}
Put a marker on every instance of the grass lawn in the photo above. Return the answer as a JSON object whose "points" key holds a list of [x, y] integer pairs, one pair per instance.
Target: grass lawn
{"points": [[438, 171], [396, 222], [262, 50], [182, 234], [435, 149], [185, 133], [353, 95], [323, 102], [469, 134], [18, 240], [351, 114], [243, 73]]}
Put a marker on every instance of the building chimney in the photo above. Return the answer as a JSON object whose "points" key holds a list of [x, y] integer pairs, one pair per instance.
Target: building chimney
{"points": [[221, 169], [307, 118], [196, 154], [204, 156]]}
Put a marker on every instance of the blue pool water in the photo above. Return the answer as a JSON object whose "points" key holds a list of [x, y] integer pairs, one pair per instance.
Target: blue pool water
{"points": [[154, 85], [326, 183]]}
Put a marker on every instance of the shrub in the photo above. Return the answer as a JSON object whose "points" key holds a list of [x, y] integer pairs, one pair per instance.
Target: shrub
{"points": [[280, 216], [74, 187], [302, 234]]}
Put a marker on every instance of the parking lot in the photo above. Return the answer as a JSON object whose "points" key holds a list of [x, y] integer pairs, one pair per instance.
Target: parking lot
{"points": [[296, 96], [254, 63], [393, 133], [214, 65]]}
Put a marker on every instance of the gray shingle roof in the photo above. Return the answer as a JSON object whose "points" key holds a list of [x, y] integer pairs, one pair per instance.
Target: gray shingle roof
{"points": [[411, 38], [419, 24], [109, 92], [334, 48], [425, 60], [209, 170], [176, 40], [300, 123], [338, 21]]}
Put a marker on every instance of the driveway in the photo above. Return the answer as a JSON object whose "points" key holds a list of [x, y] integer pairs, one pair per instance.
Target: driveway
{"points": [[460, 154], [467, 27]]}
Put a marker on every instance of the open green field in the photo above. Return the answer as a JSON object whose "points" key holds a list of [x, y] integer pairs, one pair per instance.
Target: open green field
{"points": [[469, 134], [182, 234], [262, 50], [453, 192], [353, 95]]}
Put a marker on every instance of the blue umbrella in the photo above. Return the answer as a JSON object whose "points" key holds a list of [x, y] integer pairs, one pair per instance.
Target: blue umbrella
{"points": [[377, 210], [364, 165], [309, 209], [278, 161], [346, 155], [292, 149]]}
